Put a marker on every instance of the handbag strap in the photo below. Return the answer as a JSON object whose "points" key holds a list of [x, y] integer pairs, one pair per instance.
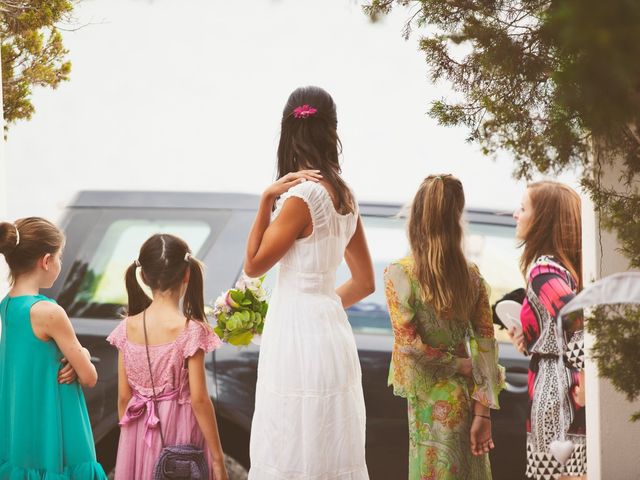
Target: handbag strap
{"points": [[153, 387]]}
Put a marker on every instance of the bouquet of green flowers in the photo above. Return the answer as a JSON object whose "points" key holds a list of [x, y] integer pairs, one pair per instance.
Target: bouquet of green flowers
{"points": [[241, 311]]}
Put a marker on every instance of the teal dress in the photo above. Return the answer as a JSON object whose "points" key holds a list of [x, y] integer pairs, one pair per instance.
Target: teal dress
{"points": [[44, 426]]}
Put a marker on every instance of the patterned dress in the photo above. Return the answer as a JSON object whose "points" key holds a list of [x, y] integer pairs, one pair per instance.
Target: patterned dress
{"points": [[423, 370], [140, 443], [552, 401]]}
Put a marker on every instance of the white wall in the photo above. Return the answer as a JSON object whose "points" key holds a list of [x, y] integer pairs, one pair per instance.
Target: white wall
{"points": [[3, 192], [613, 442]]}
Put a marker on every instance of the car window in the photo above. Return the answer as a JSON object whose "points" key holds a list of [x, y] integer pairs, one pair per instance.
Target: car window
{"points": [[491, 247], [95, 286], [387, 242]]}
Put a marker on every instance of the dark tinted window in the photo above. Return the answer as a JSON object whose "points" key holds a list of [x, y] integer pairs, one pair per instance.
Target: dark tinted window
{"points": [[95, 285], [491, 247]]}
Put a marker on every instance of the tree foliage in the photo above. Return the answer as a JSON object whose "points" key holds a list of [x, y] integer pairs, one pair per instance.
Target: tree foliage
{"points": [[617, 330], [33, 53], [551, 81], [557, 84]]}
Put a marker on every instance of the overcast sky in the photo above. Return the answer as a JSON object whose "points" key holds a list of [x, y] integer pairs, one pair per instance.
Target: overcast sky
{"points": [[188, 94]]}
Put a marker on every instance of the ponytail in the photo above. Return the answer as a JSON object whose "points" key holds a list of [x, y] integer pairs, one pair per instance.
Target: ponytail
{"points": [[28, 239], [435, 236], [8, 238], [193, 303], [165, 260], [138, 299]]}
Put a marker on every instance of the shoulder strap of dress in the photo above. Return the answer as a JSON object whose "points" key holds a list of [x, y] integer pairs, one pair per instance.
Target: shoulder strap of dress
{"points": [[39, 298], [317, 199], [153, 386]]}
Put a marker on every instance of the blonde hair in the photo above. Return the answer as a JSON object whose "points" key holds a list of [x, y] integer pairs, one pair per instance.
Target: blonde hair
{"points": [[435, 236], [555, 228]]}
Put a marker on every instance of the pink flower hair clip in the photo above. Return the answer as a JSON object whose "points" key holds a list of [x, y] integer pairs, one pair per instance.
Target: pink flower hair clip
{"points": [[304, 111]]}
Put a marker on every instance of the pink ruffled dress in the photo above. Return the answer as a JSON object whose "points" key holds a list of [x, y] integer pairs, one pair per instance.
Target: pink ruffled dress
{"points": [[140, 443]]}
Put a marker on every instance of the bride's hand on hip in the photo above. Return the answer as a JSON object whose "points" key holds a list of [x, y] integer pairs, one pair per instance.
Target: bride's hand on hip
{"points": [[291, 179]]}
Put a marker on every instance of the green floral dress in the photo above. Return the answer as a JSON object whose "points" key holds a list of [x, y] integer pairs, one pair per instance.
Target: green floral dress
{"points": [[423, 370]]}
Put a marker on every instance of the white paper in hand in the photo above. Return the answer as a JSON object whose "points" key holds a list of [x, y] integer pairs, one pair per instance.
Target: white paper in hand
{"points": [[508, 312]]}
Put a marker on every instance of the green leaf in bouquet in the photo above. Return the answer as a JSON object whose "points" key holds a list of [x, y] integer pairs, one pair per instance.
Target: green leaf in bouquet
{"points": [[222, 319], [246, 302], [259, 328], [248, 294], [258, 318], [237, 296], [219, 331], [240, 338], [264, 308], [234, 322], [246, 317]]}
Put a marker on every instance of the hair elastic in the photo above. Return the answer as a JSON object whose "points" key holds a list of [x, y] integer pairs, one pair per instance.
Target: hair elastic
{"points": [[137, 262], [187, 257], [17, 234]]}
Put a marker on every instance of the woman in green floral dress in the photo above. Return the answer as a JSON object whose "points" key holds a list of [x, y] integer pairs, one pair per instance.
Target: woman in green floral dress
{"points": [[445, 357]]}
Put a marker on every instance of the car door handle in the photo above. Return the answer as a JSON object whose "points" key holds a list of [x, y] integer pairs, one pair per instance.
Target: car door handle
{"points": [[511, 388], [519, 374]]}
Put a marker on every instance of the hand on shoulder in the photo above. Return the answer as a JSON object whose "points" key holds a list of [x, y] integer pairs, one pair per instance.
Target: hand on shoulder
{"points": [[290, 180]]}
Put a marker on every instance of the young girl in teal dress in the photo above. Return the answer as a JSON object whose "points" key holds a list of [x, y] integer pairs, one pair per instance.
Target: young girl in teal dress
{"points": [[44, 425]]}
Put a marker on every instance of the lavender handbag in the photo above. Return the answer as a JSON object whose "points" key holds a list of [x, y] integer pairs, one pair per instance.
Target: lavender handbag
{"points": [[175, 461]]}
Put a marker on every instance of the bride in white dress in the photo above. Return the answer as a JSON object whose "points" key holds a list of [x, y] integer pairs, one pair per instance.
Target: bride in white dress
{"points": [[309, 420]]}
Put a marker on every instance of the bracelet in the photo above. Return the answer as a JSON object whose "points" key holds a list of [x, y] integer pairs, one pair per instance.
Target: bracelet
{"points": [[483, 416]]}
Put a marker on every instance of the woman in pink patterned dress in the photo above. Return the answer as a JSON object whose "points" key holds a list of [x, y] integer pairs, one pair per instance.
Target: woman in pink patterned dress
{"points": [[178, 341]]}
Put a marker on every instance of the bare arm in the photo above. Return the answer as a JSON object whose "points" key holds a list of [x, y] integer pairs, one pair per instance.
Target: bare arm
{"points": [[480, 432], [204, 412], [268, 242], [52, 320], [362, 282], [124, 389]]}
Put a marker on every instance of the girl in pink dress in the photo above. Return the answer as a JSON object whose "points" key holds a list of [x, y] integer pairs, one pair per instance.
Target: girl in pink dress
{"points": [[178, 340]]}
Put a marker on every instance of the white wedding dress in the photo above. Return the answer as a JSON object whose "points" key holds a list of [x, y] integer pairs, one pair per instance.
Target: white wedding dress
{"points": [[309, 420]]}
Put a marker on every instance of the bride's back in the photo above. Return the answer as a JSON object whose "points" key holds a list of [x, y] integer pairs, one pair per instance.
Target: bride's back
{"points": [[323, 250]]}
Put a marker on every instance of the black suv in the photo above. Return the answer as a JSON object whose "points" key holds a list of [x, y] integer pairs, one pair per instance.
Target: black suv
{"points": [[104, 233]]}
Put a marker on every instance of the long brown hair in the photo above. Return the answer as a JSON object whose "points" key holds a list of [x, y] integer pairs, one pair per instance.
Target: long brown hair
{"points": [[555, 228], [27, 240], [164, 260], [435, 237], [312, 142]]}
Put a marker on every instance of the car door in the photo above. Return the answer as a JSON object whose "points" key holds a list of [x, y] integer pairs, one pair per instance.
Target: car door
{"points": [[102, 243], [491, 245], [387, 445], [235, 368]]}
